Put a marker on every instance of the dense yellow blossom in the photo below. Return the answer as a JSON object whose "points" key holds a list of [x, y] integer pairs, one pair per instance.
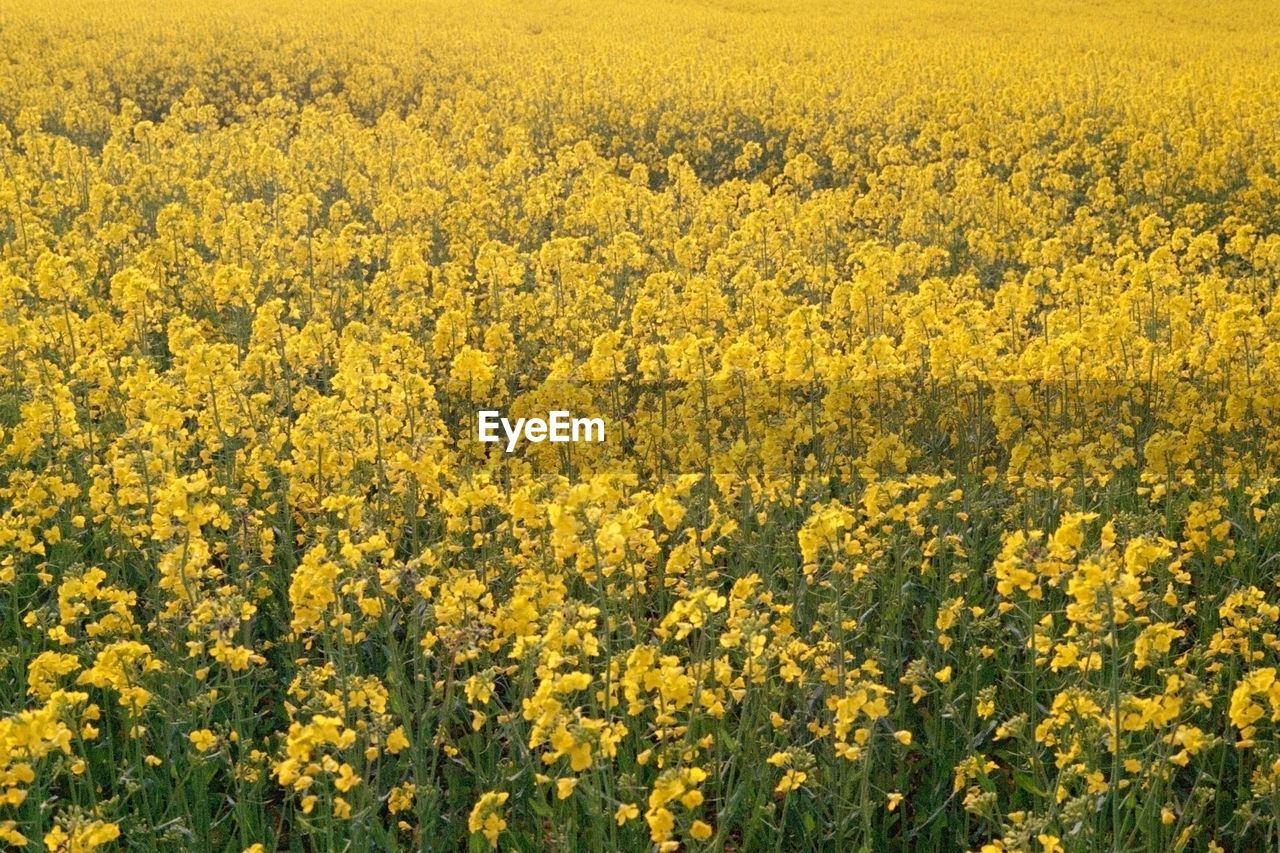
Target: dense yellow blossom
{"points": [[937, 346]]}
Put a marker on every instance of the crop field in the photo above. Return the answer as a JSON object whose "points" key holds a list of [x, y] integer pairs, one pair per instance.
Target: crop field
{"points": [[935, 351]]}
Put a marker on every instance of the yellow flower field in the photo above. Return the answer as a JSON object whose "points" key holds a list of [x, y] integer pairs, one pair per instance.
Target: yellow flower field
{"points": [[938, 349]]}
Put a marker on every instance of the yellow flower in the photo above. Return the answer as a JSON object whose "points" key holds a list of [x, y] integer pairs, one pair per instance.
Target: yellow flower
{"points": [[661, 822], [203, 739], [397, 742], [1049, 843], [346, 779], [791, 780], [83, 836], [486, 816], [691, 799], [401, 798]]}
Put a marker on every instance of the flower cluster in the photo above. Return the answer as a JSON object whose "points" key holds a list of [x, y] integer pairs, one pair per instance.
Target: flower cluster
{"points": [[938, 350]]}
